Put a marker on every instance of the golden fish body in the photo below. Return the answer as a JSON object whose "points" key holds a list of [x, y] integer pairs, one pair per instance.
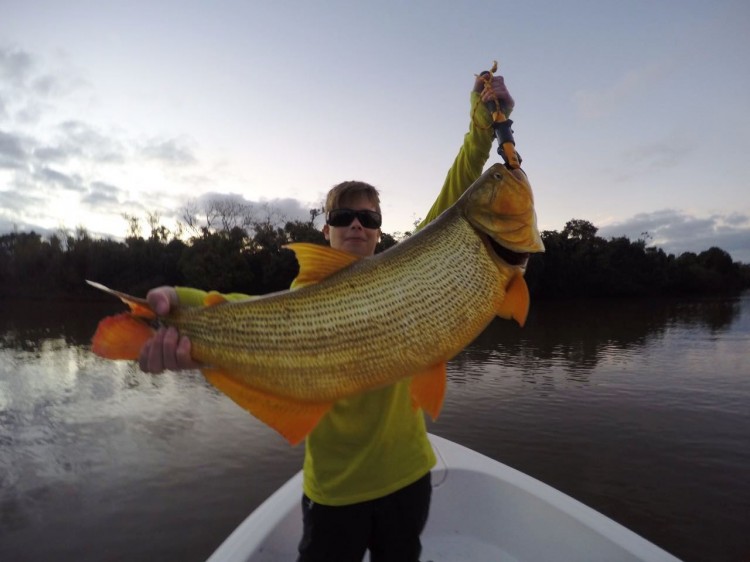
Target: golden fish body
{"points": [[382, 318], [360, 324]]}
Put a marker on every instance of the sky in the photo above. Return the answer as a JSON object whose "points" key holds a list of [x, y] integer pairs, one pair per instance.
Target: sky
{"points": [[631, 115]]}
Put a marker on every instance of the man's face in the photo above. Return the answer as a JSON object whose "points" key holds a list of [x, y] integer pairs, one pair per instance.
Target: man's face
{"points": [[355, 238]]}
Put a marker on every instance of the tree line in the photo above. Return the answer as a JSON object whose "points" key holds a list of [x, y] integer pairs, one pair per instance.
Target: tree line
{"points": [[578, 263], [248, 257]]}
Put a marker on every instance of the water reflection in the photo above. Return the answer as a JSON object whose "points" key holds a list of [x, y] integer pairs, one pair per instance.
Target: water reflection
{"points": [[578, 335], [102, 461], [637, 408], [25, 325]]}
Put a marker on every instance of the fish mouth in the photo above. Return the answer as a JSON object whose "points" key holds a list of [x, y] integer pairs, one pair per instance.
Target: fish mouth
{"points": [[510, 257]]}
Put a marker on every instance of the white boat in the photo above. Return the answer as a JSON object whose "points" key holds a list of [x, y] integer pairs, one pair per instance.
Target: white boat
{"points": [[481, 510]]}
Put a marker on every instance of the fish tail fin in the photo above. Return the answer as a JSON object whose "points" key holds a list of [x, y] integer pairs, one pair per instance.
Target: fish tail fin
{"points": [[515, 305], [138, 306], [120, 337], [428, 390]]}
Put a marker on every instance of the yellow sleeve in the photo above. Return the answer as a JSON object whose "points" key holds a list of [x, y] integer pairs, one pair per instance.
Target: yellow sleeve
{"points": [[469, 161]]}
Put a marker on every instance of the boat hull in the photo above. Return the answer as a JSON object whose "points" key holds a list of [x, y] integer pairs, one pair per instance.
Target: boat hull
{"points": [[481, 510]]}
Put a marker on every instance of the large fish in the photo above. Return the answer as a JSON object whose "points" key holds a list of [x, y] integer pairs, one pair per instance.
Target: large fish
{"points": [[355, 324]]}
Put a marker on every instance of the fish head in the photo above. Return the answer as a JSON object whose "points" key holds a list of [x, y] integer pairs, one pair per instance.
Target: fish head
{"points": [[500, 204]]}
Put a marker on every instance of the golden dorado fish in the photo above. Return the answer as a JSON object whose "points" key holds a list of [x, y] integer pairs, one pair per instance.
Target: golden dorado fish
{"points": [[356, 324]]}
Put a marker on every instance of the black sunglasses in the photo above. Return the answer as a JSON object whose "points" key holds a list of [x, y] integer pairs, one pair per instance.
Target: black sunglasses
{"points": [[345, 217]]}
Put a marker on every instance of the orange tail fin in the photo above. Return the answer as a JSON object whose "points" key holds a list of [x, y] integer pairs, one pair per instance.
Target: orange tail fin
{"points": [[120, 337]]}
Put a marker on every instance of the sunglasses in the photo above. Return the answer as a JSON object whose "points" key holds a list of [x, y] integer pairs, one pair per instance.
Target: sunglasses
{"points": [[345, 217]]}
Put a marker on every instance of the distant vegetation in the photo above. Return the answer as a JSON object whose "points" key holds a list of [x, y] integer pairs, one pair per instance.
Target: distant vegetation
{"points": [[233, 255], [577, 262]]}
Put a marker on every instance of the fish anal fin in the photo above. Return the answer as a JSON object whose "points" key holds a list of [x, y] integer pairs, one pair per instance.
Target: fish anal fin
{"points": [[120, 337], [428, 390], [138, 306], [318, 262], [292, 419], [515, 305]]}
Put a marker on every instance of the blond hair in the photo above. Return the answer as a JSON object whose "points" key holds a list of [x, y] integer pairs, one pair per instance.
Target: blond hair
{"points": [[345, 191]]}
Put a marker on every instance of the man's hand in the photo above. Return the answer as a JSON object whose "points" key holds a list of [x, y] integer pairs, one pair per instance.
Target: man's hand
{"points": [[497, 90], [167, 350]]}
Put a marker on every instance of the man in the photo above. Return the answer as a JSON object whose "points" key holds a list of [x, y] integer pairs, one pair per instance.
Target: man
{"points": [[367, 463]]}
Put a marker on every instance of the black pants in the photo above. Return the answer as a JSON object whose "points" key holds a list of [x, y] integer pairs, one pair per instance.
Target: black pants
{"points": [[389, 526]]}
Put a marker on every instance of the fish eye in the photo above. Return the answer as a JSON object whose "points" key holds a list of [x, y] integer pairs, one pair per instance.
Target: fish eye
{"points": [[497, 175]]}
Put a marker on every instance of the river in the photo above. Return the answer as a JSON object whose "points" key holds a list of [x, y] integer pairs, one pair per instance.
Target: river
{"points": [[638, 408]]}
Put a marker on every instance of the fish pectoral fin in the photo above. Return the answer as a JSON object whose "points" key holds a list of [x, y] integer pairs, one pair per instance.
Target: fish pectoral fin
{"points": [[213, 298], [428, 390], [292, 419], [120, 337], [515, 305], [318, 262], [139, 307]]}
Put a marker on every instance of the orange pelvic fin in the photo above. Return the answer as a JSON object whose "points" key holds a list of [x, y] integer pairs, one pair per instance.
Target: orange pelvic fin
{"points": [[139, 307], [515, 305], [428, 390], [292, 419], [317, 262], [120, 337]]}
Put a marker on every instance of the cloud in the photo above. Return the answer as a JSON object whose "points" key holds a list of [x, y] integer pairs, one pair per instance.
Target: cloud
{"points": [[676, 232], [594, 104], [13, 150], [23, 72], [650, 158], [174, 151], [276, 211], [667, 153], [53, 178], [102, 193], [15, 66], [77, 138], [50, 156], [26, 88], [15, 202], [293, 209]]}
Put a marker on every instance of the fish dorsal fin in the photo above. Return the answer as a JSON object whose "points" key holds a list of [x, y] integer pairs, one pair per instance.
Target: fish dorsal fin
{"points": [[515, 305], [292, 419], [428, 390], [213, 298], [317, 262], [120, 337], [139, 307]]}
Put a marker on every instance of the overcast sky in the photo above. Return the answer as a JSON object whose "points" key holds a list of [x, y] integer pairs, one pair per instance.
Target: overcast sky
{"points": [[632, 115]]}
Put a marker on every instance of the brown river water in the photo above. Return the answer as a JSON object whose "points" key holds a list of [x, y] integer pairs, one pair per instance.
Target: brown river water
{"points": [[638, 408]]}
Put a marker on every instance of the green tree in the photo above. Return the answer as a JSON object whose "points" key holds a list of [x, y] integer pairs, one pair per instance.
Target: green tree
{"points": [[216, 261]]}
